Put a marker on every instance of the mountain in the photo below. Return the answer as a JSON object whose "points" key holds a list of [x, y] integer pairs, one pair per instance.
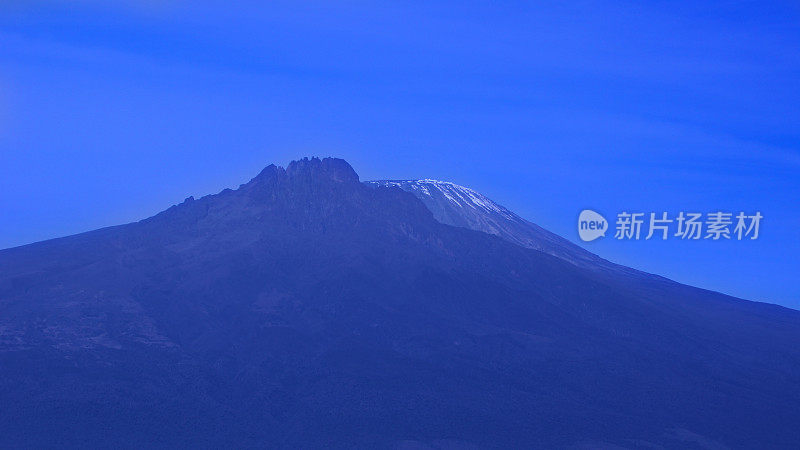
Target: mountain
{"points": [[307, 309]]}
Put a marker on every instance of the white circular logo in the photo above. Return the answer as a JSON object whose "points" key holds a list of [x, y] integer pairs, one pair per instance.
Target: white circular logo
{"points": [[591, 225]]}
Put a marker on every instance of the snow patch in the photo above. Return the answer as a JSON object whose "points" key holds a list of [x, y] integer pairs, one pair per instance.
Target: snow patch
{"points": [[461, 196]]}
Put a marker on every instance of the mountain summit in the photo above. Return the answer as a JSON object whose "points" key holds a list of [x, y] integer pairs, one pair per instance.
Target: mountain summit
{"points": [[313, 169], [307, 309]]}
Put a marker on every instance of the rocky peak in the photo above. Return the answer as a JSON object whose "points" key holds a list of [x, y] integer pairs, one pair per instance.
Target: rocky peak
{"points": [[308, 170], [332, 169]]}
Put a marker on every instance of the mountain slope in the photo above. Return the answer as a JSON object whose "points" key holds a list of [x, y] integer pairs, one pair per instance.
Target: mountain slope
{"points": [[461, 206], [305, 309]]}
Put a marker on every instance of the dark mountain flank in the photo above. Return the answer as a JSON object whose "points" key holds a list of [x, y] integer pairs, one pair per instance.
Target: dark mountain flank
{"points": [[307, 309]]}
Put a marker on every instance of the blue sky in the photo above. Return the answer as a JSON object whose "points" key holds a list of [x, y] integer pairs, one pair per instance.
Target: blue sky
{"points": [[110, 113]]}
